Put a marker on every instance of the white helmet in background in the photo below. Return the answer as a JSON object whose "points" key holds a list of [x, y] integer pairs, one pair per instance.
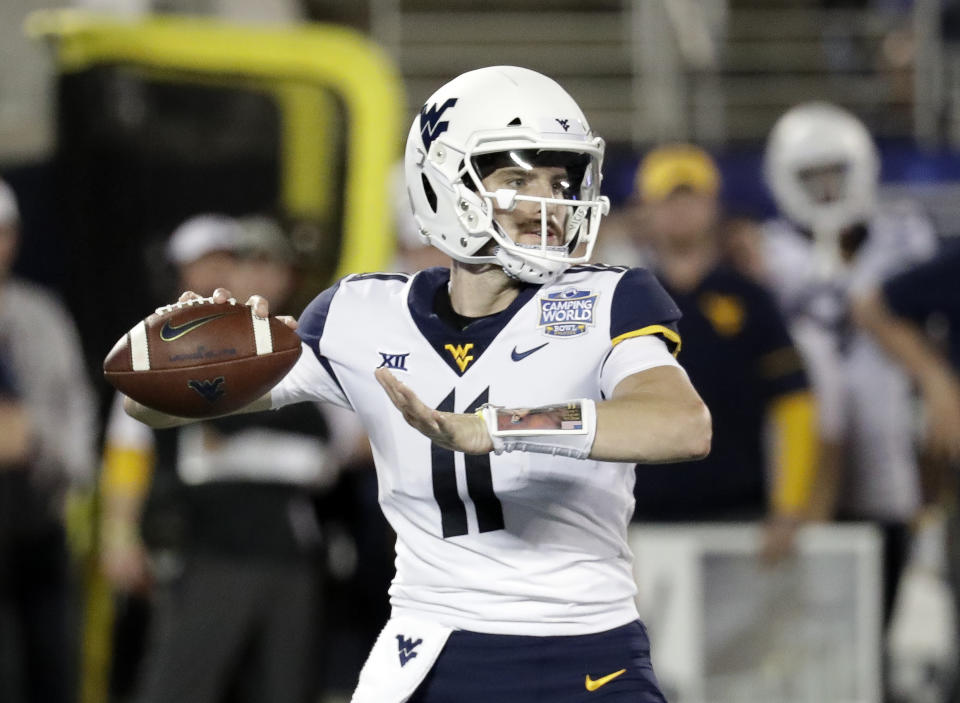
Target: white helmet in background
{"points": [[822, 167], [485, 119]]}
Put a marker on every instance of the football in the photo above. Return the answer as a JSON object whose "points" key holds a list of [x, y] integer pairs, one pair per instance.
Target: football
{"points": [[200, 359]]}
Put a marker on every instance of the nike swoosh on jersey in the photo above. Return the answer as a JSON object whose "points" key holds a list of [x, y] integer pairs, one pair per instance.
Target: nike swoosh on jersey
{"points": [[169, 332], [518, 356], [593, 685]]}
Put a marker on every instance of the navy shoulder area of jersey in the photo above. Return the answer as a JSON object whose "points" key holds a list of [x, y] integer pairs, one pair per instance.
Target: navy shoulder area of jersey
{"points": [[641, 306], [313, 321]]}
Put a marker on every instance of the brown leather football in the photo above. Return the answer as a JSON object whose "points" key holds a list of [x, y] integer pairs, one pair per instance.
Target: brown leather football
{"points": [[201, 359]]}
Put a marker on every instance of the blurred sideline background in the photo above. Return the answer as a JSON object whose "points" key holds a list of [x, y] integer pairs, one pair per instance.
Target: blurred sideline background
{"points": [[120, 118]]}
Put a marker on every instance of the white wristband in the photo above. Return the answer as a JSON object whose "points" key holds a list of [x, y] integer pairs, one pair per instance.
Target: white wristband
{"points": [[566, 429]]}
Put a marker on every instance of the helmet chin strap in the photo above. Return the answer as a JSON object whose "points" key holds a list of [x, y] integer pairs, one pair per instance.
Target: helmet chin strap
{"points": [[522, 269], [519, 267]]}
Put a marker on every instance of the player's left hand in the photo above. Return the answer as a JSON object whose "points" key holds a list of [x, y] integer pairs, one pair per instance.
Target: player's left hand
{"points": [[457, 431], [259, 304]]}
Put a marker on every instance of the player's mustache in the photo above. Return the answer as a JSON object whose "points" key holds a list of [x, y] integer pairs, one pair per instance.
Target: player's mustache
{"points": [[533, 225]]}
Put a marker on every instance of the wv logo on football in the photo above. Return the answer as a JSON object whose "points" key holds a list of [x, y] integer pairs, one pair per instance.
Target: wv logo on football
{"points": [[406, 647], [211, 390]]}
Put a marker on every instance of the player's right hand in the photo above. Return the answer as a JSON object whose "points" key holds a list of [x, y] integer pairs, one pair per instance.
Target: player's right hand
{"points": [[260, 305], [460, 432]]}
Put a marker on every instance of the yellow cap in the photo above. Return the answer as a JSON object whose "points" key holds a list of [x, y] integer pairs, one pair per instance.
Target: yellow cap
{"points": [[667, 168]]}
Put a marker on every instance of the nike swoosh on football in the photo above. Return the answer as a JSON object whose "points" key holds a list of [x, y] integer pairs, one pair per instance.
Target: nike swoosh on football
{"points": [[168, 332], [518, 356], [593, 685]]}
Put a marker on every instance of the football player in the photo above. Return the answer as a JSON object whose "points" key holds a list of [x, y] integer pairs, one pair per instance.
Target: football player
{"points": [[507, 399], [834, 241]]}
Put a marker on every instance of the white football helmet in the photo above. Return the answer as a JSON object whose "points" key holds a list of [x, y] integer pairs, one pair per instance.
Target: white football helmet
{"points": [[482, 120], [822, 167]]}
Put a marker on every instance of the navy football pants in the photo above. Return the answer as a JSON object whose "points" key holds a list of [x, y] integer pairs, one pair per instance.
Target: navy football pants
{"points": [[482, 668]]}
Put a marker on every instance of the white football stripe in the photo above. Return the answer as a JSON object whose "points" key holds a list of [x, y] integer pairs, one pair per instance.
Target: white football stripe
{"points": [[139, 351], [261, 334]]}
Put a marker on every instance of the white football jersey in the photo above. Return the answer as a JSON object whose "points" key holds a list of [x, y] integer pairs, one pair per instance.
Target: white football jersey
{"points": [[518, 543], [864, 398]]}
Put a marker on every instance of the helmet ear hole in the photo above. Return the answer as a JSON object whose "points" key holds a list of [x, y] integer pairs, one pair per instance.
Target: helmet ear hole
{"points": [[429, 192]]}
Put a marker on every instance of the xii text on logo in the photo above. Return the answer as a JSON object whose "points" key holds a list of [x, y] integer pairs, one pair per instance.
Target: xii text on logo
{"points": [[397, 362]]}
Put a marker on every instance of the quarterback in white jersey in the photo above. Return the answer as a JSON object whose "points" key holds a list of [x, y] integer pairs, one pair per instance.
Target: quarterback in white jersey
{"points": [[528, 384]]}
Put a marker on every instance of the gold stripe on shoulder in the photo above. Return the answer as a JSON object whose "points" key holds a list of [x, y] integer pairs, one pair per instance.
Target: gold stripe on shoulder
{"points": [[651, 329]]}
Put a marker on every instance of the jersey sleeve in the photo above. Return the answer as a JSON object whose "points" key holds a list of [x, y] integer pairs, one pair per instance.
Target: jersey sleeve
{"points": [[643, 329], [634, 355], [313, 377], [642, 307], [128, 454]]}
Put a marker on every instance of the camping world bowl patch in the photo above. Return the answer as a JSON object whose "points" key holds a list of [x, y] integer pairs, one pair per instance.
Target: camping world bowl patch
{"points": [[568, 312]]}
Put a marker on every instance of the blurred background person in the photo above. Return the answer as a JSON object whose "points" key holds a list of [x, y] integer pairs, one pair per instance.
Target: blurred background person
{"points": [[741, 246], [240, 620], [43, 364], [900, 314], [740, 358], [203, 253], [835, 238]]}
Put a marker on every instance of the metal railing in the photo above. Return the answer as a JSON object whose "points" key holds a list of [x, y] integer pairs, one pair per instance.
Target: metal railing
{"points": [[714, 71]]}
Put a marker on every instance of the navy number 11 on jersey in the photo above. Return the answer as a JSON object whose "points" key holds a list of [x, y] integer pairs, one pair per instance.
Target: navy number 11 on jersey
{"points": [[453, 512]]}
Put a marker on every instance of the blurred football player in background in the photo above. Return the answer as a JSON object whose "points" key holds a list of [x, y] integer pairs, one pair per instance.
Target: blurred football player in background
{"points": [[203, 250], [740, 358], [897, 315], [44, 369], [241, 621], [514, 579], [834, 241]]}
